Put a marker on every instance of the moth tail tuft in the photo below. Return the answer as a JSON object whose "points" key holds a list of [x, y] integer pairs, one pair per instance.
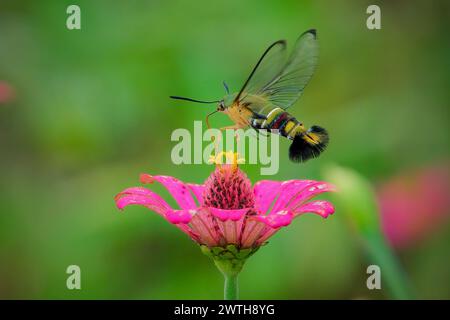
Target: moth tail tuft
{"points": [[309, 144]]}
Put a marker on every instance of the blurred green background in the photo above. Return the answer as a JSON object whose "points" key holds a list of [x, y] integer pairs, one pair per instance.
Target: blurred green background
{"points": [[83, 112]]}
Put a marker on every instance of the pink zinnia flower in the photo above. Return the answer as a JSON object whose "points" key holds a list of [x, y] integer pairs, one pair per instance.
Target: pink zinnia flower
{"points": [[226, 216], [6, 92], [415, 204]]}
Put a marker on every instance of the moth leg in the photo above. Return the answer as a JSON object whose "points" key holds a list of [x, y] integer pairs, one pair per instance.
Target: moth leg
{"points": [[255, 115], [234, 127]]}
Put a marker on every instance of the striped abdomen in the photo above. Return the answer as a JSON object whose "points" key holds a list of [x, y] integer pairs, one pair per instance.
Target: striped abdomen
{"points": [[279, 119]]}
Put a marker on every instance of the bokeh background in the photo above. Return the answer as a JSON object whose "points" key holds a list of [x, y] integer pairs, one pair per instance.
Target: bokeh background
{"points": [[84, 112]]}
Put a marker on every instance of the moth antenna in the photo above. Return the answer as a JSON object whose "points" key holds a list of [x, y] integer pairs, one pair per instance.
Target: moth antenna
{"points": [[226, 87], [192, 100]]}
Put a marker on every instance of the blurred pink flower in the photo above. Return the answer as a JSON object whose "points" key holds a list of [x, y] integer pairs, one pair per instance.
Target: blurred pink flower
{"points": [[6, 92], [414, 204], [226, 209]]}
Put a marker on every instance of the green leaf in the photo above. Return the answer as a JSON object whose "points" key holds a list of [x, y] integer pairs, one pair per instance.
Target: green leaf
{"points": [[355, 200]]}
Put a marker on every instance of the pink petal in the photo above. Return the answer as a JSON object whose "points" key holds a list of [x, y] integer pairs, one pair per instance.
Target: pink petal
{"points": [[144, 197], [290, 204], [179, 191], [276, 220], [141, 196], [320, 207], [204, 225], [228, 214], [146, 178], [179, 216], [186, 229], [197, 190], [284, 218], [231, 230], [269, 232], [265, 192], [252, 232], [289, 190], [318, 187]]}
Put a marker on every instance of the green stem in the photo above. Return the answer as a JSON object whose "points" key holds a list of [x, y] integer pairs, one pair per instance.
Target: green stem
{"points": [[231, 287], [395, 276]]}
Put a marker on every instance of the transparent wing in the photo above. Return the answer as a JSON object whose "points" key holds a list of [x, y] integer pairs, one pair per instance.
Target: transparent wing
{"points": [[288, 85], [265, 71]]}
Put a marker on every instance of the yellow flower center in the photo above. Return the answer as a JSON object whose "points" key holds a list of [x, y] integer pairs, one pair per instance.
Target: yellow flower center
{"points": [[230, 157]]}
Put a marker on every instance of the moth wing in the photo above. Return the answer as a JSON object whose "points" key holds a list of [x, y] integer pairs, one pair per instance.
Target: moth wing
{"points": [[287, 87], [266, 70]]}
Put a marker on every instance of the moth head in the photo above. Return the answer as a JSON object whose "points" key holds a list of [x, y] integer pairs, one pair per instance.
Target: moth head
{"points": [[221, 106]]}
